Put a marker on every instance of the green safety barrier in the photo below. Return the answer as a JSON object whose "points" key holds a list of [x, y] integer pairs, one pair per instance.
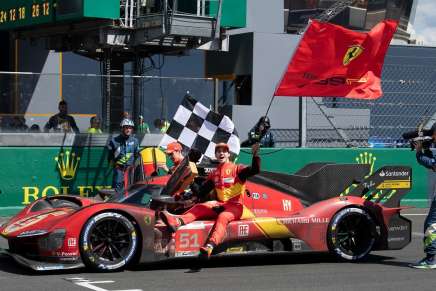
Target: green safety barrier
{"points": [[28, 173]]}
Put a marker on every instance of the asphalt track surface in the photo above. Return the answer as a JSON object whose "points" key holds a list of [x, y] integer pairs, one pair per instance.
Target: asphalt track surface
{"points": [[386, 270]]}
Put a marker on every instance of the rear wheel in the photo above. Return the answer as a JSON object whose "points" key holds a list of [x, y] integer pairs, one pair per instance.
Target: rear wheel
{"points": [[108, 242], [351, 234]]}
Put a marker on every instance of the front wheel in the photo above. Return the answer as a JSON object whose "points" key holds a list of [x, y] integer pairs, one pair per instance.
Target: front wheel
{"points": [[351, 234], [108, 242]]}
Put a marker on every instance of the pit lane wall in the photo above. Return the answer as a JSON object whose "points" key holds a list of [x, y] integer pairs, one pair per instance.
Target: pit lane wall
{"points": [[30, 172]]}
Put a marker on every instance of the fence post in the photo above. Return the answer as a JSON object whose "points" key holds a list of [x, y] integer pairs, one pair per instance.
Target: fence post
{"points": [[216, 92], [302, 138]]}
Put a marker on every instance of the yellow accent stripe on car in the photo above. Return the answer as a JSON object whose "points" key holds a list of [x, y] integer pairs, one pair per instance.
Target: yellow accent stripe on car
{"points": [[272, 228]]}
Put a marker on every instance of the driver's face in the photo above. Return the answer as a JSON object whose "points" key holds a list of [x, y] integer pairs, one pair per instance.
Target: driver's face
{"points": [[127, 130], [175, 156], [222, 155]]}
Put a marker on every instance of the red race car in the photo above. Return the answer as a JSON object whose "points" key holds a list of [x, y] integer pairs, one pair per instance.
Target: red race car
{"points": [[323, 207]]}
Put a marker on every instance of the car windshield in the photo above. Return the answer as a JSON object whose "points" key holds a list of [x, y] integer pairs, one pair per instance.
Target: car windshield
{"points": [[139, 194]]}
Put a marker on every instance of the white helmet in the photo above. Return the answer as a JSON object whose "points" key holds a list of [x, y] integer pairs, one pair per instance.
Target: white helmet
{"points": [[127, 122]]}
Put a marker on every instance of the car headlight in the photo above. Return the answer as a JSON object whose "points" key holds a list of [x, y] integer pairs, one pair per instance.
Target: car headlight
{"points": [[53, 241], [35, 232]]}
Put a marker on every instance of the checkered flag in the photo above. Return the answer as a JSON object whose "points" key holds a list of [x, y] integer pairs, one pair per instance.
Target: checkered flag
{"points": [[196, 126]]}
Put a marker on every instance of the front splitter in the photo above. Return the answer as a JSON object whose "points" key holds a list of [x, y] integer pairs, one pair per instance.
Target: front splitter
{"points": [[40, 266]]}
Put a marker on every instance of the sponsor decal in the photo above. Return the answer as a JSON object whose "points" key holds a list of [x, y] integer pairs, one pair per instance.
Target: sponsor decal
{"points": [[394, 173], [287, 205], [398, 228], [147, 220], [368, 184], [392, 239], [260, 211], [255, 195], [363, 158], [28, 221], [353, 52], [394, 184], [228, 180], [67, 164], [243, 230], [186, 254], [265, 196], [235, 250], [303, 220], [72, 242], [208, 170], [32, 193], [67, 254]]}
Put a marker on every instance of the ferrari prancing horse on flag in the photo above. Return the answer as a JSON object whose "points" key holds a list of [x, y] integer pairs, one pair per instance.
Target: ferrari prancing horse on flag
{"points": [[306, 211]]}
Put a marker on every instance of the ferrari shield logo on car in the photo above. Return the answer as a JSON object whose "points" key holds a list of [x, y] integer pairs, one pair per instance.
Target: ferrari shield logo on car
{"points": [[352, 53]]}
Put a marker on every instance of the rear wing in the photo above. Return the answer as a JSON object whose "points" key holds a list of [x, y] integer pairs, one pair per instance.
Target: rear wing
{"points": [[387, 186]]}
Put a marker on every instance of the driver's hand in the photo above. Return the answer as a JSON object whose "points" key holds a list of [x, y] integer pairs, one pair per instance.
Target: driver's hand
{"points": [[165, 168], [255, 149]]}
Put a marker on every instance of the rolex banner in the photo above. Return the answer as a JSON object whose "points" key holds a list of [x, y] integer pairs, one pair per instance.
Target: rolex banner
{"points": [[332, 61]]}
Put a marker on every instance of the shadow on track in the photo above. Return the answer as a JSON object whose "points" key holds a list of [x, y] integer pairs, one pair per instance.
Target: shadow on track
{"points": [[8, 265], [261, 259]]}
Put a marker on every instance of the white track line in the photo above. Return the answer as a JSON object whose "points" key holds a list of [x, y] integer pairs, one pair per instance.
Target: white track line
{"points": [[414, 214]]}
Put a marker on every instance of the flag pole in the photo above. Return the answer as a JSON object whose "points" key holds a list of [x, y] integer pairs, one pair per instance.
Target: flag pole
{"points": [[286, 68]]}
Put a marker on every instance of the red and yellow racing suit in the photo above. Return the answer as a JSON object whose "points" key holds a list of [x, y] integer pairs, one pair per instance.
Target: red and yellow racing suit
{"points": [[228, 180]]}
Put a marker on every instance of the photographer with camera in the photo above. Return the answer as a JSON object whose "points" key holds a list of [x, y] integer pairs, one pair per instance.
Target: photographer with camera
{"points": [[261, 134], [424, 156]]}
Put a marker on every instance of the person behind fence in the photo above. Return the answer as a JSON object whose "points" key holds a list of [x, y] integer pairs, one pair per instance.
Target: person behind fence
{"points": [[261, 133], [426, 158], [95, 124], [62, 121], [228, 181], [143, 126], [161, 125], [123, 150]]}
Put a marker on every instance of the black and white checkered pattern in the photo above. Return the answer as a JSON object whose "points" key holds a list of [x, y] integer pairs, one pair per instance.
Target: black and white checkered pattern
{"points": [[196, 126]]}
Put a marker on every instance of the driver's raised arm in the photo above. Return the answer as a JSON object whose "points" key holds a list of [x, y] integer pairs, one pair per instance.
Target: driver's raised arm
{"points": [[245, 172]]}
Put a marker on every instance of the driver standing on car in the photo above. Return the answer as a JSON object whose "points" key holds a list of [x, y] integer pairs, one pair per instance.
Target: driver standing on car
{"points": [[228, 180], [123, 150]]}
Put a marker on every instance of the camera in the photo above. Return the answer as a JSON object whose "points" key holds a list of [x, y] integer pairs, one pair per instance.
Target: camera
{"points": [[424, 136]]}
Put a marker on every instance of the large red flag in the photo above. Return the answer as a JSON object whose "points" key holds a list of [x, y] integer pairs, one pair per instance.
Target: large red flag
{"points": [[333, 61]]}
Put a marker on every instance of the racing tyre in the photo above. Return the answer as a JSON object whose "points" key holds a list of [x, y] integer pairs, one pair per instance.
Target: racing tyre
{"points": [[351, 234], [108, 242]]}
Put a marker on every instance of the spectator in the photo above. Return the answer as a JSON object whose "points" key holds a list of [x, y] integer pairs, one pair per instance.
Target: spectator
{"points": [[18, 124], [95, 125], [126, 115], [34, 128], [62, 122], [143, 126], [161, 125]]}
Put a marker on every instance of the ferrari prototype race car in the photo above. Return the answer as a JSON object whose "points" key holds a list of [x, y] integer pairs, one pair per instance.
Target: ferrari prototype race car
{"points": [[337, 208]]}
